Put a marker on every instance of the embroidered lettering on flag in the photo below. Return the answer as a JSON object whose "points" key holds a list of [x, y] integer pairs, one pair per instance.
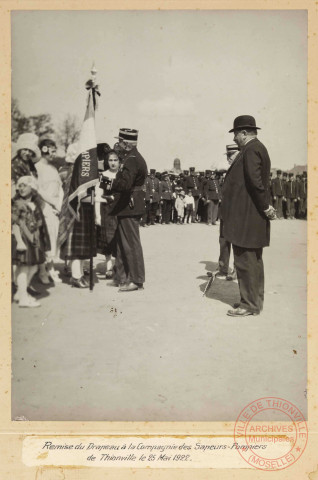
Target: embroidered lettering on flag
{"points": [[85, 172]]}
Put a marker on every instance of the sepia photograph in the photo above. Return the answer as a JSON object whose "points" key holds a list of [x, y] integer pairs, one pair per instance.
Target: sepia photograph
{"points": [[158, 213]]}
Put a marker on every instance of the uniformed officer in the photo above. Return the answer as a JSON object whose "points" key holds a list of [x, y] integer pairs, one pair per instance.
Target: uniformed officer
{"points": [[184, 178], [278, 193], [211, 195], [304, 204], [291, 197], [155, 195], [192, 183], [166, 198], [145, 220], [129, 209], [284, 201]]}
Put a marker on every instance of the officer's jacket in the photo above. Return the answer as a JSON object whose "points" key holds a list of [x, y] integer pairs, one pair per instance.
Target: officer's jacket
{"points": [[290, 189], [166, 190], [129, 183], [192, 183], [278, 187], [211, 189], [301, 189]]}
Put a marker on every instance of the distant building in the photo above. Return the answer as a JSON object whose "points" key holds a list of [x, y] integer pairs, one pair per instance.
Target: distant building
{"points": [[296, 170], [176, 167]]}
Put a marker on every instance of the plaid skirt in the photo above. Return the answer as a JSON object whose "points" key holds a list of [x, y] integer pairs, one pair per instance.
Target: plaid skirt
{"points": [[77, 245], [106, 233], [33, 255]]}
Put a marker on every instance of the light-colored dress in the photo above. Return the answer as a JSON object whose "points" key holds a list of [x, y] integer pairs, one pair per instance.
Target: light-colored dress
{"points": [[51, 191]]}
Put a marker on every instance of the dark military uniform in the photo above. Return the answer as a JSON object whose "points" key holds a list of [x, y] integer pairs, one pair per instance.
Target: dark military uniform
{"points": [[145, 218], [278, 192], [129, 209], [301, 192], [291, 197], [192, 183], [154, 187], [184, 178], [211, 194], [166, 200]]}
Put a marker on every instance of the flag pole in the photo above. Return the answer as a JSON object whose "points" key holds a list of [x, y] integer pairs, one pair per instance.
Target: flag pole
{"points": [[92, 201]]}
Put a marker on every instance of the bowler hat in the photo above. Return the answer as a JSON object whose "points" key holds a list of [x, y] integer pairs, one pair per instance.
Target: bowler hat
{"points": [[192, 169], [244, 121]]}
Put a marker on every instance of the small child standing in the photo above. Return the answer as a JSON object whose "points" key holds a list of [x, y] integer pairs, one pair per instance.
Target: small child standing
{"points": [[180, 206], [189, 202], [30, 239]]}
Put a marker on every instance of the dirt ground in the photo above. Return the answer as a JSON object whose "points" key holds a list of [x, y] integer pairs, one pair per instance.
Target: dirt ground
{"points": [[165, 353]]}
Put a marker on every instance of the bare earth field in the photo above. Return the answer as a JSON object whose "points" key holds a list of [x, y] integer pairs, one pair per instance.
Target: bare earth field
{"points": [[165, 353]]}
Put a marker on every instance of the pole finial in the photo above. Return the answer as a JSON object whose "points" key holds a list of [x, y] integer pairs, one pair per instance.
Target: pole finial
{"points": [[93, 73]]}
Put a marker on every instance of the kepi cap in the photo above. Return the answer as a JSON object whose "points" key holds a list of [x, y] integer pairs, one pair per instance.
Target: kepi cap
{"points": [[129, 135]]}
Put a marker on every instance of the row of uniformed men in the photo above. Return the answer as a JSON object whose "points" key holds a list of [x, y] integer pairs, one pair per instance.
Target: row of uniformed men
{"points": [[162, 189], [289, 194]]}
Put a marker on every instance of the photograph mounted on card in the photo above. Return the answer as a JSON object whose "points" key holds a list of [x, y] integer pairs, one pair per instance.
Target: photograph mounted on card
{"points": [[171, 190]]}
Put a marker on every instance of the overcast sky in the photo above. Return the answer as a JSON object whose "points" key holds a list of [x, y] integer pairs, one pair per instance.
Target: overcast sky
{"points": [[179, 77]]}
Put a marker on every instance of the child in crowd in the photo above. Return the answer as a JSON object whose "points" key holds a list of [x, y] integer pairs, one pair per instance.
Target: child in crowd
{"points": [[189, 202], [30, 239], [180, 206]]}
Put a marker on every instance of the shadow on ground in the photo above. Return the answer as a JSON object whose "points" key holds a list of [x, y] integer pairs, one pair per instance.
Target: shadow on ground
{"points": [[222, 290]]}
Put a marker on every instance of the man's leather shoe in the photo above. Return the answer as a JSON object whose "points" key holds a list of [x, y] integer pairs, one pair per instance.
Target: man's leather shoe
{"points": [[240, 312], [130, 287]]}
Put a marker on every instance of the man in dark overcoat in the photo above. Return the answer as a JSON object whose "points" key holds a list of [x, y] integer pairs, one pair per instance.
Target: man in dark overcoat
{"points": [[129, 210], [246, 212]]}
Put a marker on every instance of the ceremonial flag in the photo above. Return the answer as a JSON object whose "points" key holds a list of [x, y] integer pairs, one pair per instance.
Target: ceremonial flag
{"points": [[85, 171]]}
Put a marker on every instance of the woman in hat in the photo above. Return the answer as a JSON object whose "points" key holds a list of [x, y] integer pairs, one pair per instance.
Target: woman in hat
{"points": [[30, 239], [27, 154], [106, 221]]}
